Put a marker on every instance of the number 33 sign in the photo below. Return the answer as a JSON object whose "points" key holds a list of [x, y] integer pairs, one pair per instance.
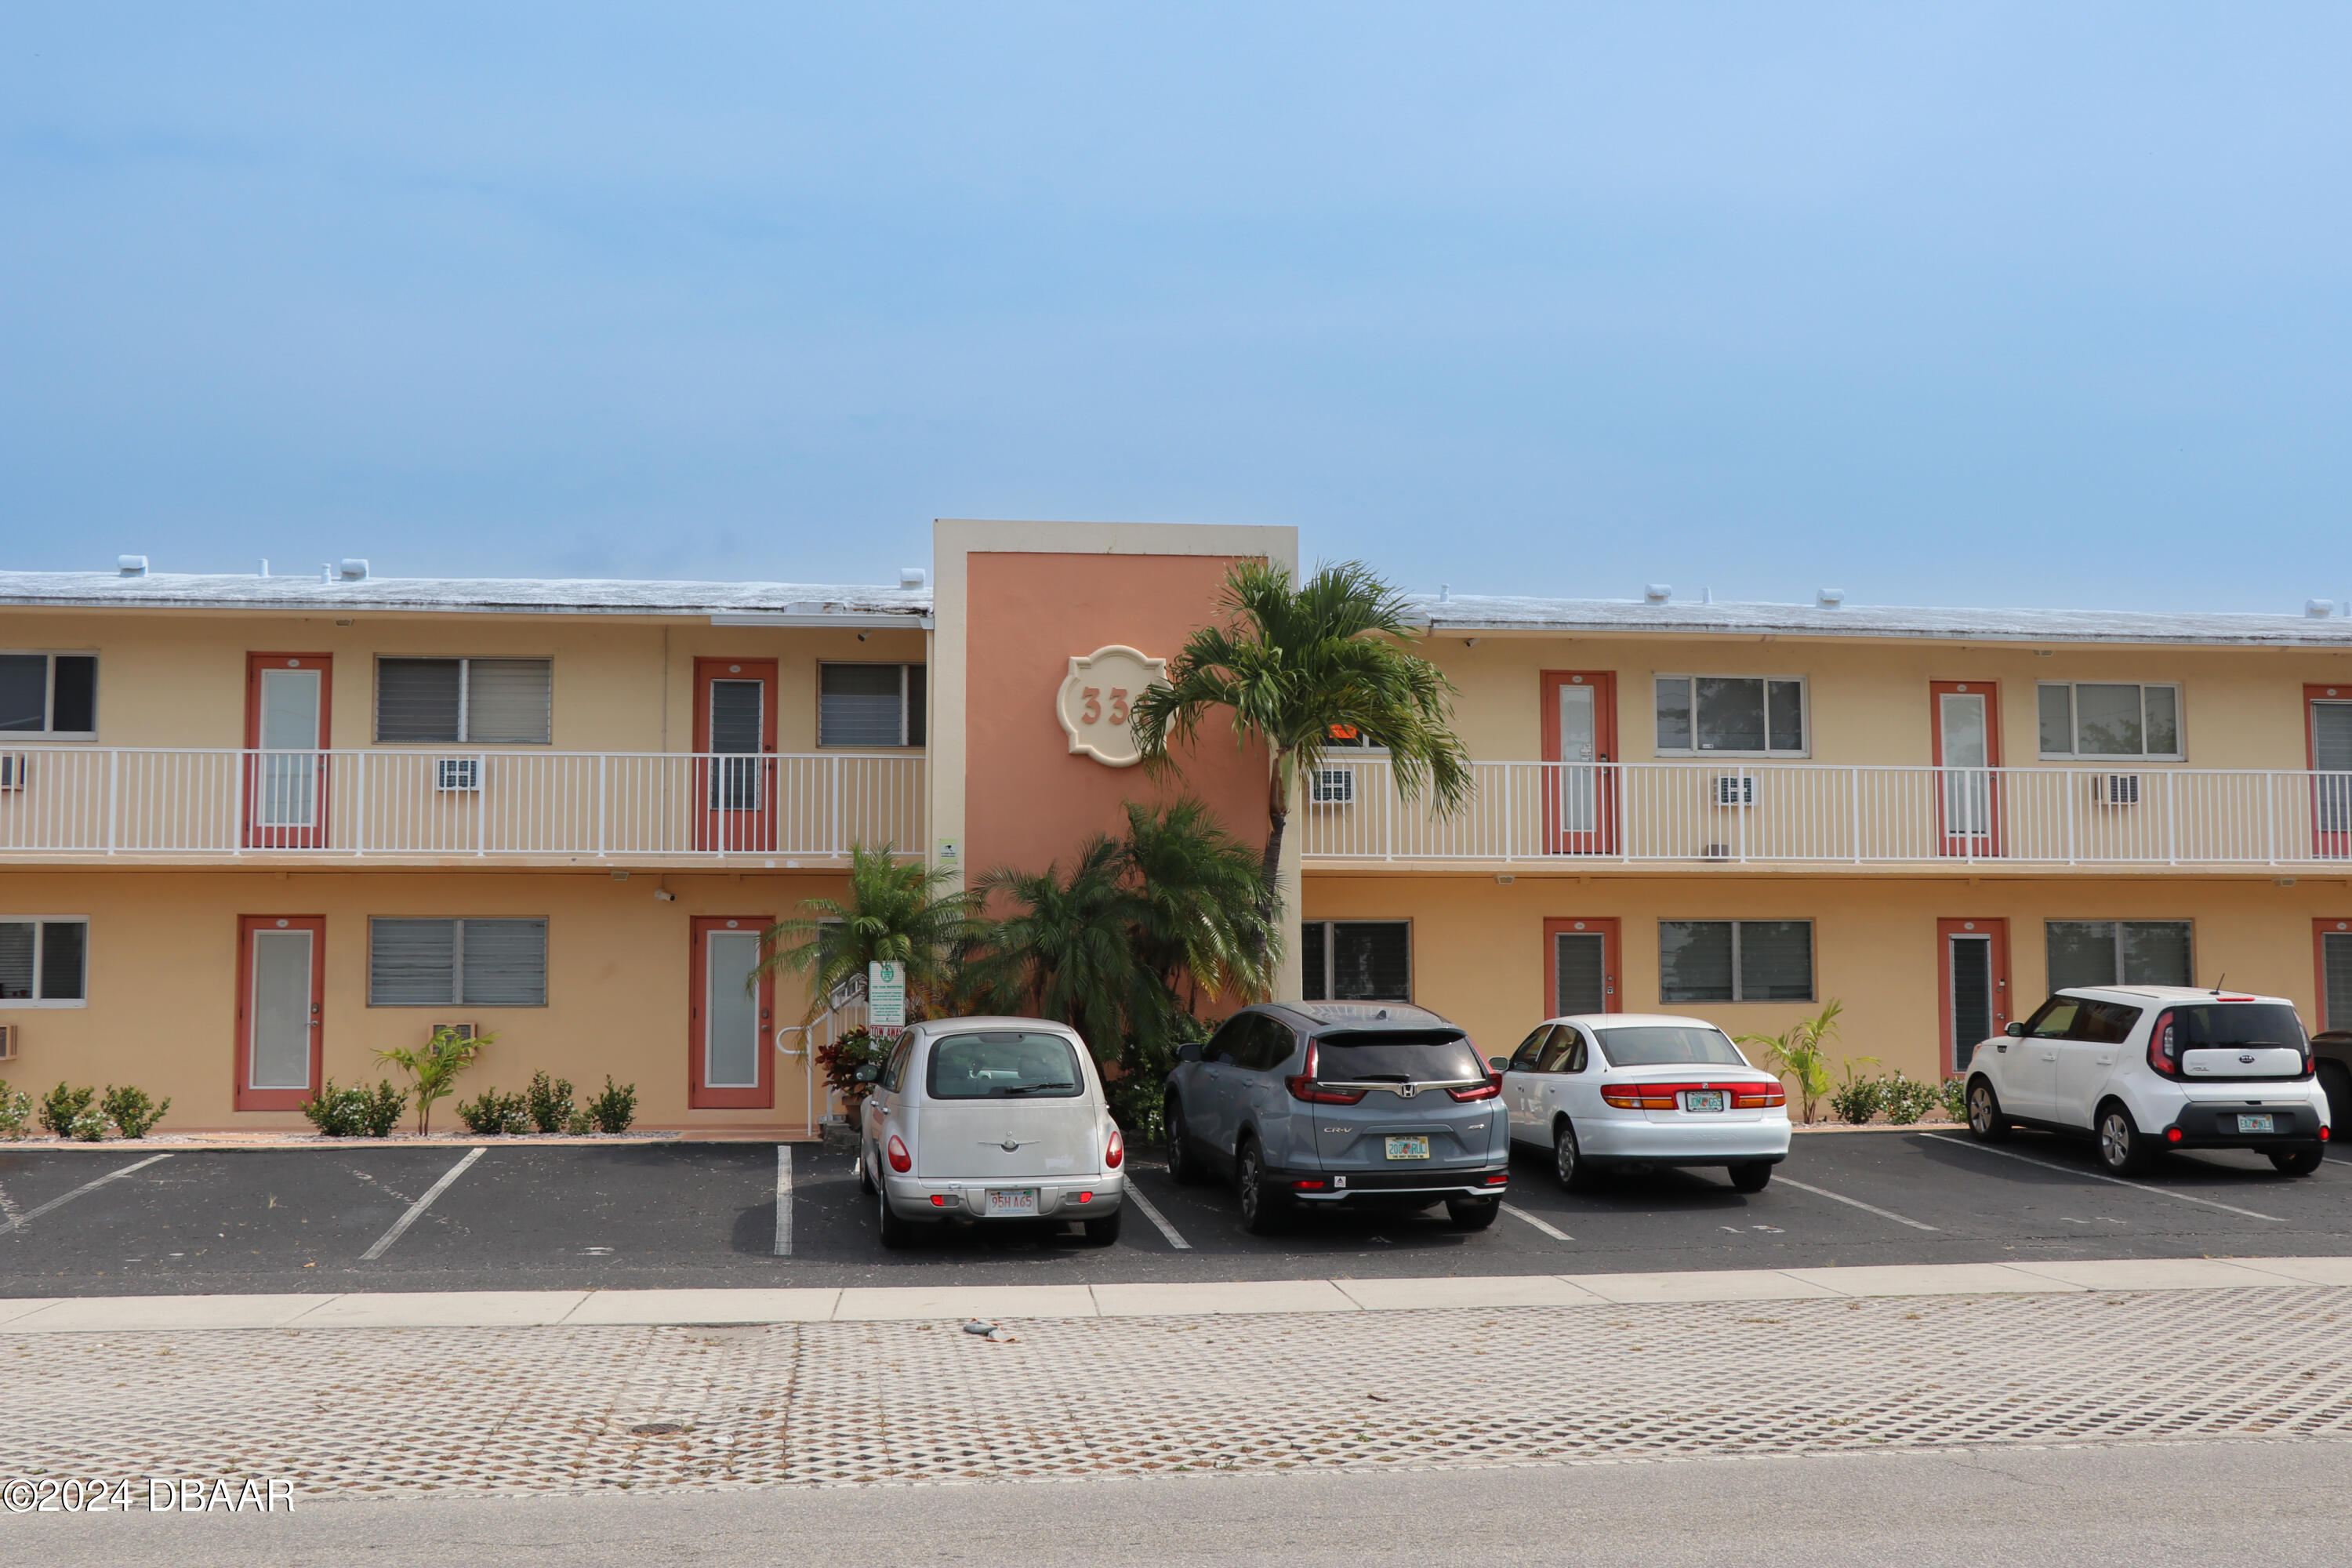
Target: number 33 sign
{"points": [[1097, 701]]}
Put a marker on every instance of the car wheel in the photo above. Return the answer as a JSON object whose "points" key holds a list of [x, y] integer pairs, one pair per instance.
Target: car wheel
{"points": [[1183, 1164], [1473, 1214], [2122, 1151], [2299, 1162], [1567, 1161], [1752, 1176], [1103, 1232], [866, 1170], [1986, 1123], [1261, 1210], [895, 1232], [2337, 1082]]}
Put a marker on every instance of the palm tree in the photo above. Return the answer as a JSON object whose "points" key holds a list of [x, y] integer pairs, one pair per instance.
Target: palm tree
{"points": [[1067, 950], [897, 912], [1202, 925], [1297, 665]]}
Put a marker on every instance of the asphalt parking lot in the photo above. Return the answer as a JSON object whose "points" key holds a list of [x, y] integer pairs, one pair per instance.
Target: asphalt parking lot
{"points": [[524, 1216]]}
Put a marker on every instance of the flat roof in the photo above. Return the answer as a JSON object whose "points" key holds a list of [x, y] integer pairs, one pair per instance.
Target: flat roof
{"points": [[1506, 613]]}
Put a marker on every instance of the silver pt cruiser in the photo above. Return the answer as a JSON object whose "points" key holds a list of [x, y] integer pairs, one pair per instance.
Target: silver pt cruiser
{"points": [[986, 1122]]}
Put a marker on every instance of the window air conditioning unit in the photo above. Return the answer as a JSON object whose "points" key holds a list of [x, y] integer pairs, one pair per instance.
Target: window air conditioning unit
{"points": [[12, 770], [457, 774], [466, 1029], [2116, 789], [1715, 852], [1333, 786], [1735, 789], [8, 1042]]}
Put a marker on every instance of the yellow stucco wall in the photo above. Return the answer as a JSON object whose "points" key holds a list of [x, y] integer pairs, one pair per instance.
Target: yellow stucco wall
{"points": [[163, 972], [1479, 958]]}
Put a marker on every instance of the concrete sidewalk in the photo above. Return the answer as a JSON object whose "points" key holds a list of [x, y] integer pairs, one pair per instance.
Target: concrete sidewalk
{"points": [[525, 1309]]}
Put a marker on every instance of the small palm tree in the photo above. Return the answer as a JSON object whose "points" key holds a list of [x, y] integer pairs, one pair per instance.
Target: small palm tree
{"points": [[1202, 925], [897, 912], [1297, 664], [1067, 950]]}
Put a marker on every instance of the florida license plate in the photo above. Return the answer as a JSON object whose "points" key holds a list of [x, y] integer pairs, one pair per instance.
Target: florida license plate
{"points": [[1703, 1100], [1013, 1200], [2257, 1124], [1409, 1148]]}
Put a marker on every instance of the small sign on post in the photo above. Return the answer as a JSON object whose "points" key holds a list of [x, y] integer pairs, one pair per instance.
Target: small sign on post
{"points": [[886, 997]]}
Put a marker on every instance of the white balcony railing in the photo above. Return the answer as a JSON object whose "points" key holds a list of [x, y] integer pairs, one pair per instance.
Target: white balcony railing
{"points": [[70, 800], [1785, 812]]}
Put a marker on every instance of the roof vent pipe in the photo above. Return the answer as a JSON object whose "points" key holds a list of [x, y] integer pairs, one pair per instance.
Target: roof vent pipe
{"points": [[131, 565], [1829, 598], [913, 577], [354, 569], [2319, 609], [1658, 592]]}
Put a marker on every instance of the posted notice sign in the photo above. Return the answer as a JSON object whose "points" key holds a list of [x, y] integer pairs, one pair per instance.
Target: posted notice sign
{"points": [[885, 997]]}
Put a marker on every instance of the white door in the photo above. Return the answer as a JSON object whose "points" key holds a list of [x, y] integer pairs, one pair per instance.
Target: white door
{"points": [[1968, 754], [289, 733], [730, 1011], [1578, 746], [279, 1050]]}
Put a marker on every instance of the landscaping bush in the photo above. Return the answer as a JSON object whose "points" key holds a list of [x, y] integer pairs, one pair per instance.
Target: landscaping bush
{"points": [[579, 1124], [380, 1109], [334, 1112], [15, 1111], [840, 1061], [89, 1127], [612, 1111], [434, 1068], [133, 1114], [1858, 1099], [1906, 1099], [1956, 1099], [493, 1112], [61, 1106], [1800, 1053], [549, 1103]]}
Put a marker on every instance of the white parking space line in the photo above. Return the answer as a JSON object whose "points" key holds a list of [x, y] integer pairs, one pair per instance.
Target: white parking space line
{"points": [[784, 1200], [17, 1221], [1855, 1203], [1135, 1195], [1545, 1226], [384, 1242], [2096, 1176]]}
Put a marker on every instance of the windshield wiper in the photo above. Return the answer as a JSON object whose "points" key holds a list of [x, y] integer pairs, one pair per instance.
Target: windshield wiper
{"points": [[1033, 1088]]}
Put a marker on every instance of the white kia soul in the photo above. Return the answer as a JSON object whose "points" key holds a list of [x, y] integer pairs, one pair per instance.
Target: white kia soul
{"points": [[2146, 1069]]}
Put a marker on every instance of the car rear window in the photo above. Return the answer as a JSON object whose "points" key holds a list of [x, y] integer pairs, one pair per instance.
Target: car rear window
{"points": [[1666, 1045], [1003, 1064], [1398, 1055], [2226, 1025]]}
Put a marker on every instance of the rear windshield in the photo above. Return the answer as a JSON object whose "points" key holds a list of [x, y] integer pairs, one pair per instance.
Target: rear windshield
{"points": [[1003, 1064], [2228, 1026], [1665, 1044], [1398, 1055]]}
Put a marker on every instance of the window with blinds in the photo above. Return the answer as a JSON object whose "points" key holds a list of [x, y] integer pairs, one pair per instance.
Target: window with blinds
{"points": [[43, 962], [1735, 960], [2118, 953], [869, 705], [459, 962], [1355, 960], [465, 701]]}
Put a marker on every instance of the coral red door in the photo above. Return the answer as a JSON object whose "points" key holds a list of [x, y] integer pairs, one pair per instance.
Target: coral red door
{"points": [[1967, 725], [1580, 973], [280, 1000], [731, 1016], [287, 700], [1972, 964], [1580, 735], [2329, 708], [735, 776]]}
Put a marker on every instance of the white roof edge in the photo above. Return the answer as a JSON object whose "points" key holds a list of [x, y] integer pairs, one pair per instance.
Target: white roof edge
{"points": [[772, 604]]}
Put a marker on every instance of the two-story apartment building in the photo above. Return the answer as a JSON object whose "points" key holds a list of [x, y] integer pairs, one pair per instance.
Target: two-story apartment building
{"points": [[253, 829]]}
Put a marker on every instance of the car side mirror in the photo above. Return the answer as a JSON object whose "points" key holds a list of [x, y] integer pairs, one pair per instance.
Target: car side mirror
{"points": [[1500, 1064], [1189, 1052], [870, 1073], [2015, 1031]]}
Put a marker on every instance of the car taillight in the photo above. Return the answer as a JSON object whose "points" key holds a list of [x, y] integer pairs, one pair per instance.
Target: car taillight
{"points": [[899, 1159], [1757, 1096], [1304, 1086], [2164, 1044], [1743, 1095], [1486, 1090], [1114, 1151]]}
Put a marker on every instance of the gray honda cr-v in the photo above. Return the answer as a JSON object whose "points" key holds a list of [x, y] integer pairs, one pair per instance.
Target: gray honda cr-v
{"points": [[1308, 1105]]}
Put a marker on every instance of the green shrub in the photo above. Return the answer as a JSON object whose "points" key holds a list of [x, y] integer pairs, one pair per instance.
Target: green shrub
{"points": [[61, 1106], [549, 1103], [1800, 1052], [1858, 1099], [334, 1112], [434, 1066], [579, 1124], [493, 1112], [1955, 1094], [839, 1062], [380, 1109], [89, 1127], [15, 1111], [133, 1114], [612, 1111], [1906, 1100]]}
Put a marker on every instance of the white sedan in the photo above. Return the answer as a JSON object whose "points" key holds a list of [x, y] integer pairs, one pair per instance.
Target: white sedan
{"points": [[1603, 1089]]}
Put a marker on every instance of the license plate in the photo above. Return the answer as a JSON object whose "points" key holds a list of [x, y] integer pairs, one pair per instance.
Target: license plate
{"points": [[1013, 1200], [2256, 1124], [1703, 1100], [1409, 1148]]}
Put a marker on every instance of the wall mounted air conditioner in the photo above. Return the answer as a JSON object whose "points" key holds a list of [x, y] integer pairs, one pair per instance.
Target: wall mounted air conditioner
{"points": [[457, 774], [466, 1029], [12, 770], [1735, 789], [1332, 786], [2116, 789], [8, 1042]]}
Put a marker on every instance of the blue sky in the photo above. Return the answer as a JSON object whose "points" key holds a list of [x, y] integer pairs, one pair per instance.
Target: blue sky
{"points": [[2000, 304]]}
